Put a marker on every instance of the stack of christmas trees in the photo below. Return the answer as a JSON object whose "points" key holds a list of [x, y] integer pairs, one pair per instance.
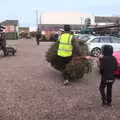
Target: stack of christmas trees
{"points": [[77, 67]]}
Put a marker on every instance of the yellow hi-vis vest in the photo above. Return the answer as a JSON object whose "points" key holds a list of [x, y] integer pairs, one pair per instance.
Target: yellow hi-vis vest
{"points": [[65, 45]]}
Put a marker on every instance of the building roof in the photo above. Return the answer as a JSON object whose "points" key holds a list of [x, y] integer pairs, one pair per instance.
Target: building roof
{"points": [[10, 22], [103, 19]]}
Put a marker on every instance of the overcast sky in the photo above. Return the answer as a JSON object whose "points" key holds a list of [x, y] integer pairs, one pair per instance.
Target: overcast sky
{"points": [[25, 10]]}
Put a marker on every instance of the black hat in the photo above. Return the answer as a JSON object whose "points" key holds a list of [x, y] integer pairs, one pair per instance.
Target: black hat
{"points": [[67, 28]]}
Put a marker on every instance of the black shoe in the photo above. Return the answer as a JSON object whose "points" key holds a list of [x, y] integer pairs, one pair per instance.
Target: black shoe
{"points": [[104, 103], [109, 104]]}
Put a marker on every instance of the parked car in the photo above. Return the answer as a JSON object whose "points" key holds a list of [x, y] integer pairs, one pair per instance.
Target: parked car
{"points": [[95, 43], [117, 56]]}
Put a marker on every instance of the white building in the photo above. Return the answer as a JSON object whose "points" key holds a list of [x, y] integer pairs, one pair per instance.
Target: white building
{"points": [[55, 20], [72, 18]]}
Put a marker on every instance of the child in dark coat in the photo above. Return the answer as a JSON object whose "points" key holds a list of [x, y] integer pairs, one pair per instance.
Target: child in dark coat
{"points": [[108, 65]]}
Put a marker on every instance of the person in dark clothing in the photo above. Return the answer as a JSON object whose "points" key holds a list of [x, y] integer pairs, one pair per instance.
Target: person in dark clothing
{"points": [[108, 65], [56, 36], [38, 36], [3, 40]]}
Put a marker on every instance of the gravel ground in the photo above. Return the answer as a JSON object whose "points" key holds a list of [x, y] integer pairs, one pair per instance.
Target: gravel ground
{"points": [[31, 90]]}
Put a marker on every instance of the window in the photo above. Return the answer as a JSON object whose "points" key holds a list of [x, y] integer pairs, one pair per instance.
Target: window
{"points": [[115, 40], [105, 40], [85, 38], [95, 40]]}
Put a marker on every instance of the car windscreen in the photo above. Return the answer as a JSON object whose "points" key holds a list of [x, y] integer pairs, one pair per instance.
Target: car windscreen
{"points": [[85, 38]]}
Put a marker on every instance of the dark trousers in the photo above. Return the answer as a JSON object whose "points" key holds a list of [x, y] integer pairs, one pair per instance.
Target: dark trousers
{"points": [[63, 61], [38, 42], [106, 90]]}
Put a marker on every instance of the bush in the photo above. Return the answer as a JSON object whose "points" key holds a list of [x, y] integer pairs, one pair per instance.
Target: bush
{"points": [[23, 35], [33, 34], [77, 67]]}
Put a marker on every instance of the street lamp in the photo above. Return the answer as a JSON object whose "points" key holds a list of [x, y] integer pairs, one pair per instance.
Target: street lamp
{"points": [[37, 19], [81, 21]]}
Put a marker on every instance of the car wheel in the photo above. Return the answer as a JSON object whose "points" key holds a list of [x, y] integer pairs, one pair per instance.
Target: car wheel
{"points": [[96, 52]]}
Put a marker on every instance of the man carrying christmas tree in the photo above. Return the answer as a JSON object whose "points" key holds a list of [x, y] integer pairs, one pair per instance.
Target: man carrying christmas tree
{"points": [[65, 49]]}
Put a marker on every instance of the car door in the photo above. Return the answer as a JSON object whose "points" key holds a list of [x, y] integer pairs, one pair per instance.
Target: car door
{"points": [[105, 40], [93, 43]]}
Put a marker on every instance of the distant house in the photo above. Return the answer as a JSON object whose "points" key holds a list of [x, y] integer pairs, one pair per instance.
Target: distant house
{"points": [[11, 30], [24, 29]]}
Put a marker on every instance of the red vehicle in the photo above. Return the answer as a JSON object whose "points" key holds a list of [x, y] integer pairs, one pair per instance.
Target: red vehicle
{"points": [[117, 56]]}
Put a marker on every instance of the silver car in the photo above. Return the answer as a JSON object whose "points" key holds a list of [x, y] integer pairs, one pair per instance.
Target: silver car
{"points": [[95, 43]]}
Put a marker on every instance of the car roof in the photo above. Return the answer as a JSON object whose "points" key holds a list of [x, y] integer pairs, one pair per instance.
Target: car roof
{"points": [[92, 36]]}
